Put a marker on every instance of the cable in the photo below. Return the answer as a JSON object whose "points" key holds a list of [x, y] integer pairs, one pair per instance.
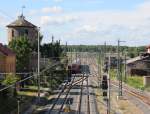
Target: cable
{"points": [[28, 77], [4, 13]]}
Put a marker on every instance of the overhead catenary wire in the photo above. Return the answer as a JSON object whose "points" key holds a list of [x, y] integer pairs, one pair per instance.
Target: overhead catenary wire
{"points": [[6, 15], [27, 78]]}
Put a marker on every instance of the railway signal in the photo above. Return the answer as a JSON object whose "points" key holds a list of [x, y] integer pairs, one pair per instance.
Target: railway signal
{"points": [[104, 85]]}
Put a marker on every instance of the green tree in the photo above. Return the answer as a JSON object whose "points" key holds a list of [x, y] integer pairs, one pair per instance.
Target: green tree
{"points": [[10, 79], [22, 48], [51, 50], [34, 46]]}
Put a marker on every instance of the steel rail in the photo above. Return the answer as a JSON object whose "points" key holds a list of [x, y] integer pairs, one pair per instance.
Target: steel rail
{"points": [[80, 99], [141, 97], [67, 93], [62, 91], [88, 98]]}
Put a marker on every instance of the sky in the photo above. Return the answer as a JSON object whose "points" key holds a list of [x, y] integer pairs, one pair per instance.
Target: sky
{"points": [[89, 22]]}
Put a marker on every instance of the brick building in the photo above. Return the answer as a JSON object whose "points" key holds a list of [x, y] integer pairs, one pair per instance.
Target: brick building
{"points": [[139, 65], [7, 60], [22, 27]]}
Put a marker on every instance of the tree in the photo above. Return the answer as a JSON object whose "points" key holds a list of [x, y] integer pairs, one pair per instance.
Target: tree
{"points": [[51, 50], [10, 79], [22, 48], [34, 46]]}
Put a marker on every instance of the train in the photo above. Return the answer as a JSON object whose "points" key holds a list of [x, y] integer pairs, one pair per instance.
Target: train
{"points": [[77, 68], [74, 68]]}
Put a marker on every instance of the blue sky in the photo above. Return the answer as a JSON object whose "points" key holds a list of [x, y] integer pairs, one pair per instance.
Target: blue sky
{"points": [[83, 21]]}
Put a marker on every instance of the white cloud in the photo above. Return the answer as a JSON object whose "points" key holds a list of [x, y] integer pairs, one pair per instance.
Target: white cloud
{"points": [[99, 26], [95, 27], [54, 9], [57, 20], [87, 28]]}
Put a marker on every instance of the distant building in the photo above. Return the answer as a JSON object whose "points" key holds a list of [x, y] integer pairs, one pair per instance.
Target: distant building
{"points": [[22, 27], [139, 65], [113, 59], [7, 60]]}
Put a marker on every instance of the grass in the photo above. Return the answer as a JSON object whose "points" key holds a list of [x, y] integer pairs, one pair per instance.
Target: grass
{"points": [[136, 82], [113, 74]]}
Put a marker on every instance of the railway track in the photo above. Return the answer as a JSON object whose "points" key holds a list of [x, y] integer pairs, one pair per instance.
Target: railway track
{"points": [[145, 99], [60, 94], [81, 98], [88, 98], [65, 90]]}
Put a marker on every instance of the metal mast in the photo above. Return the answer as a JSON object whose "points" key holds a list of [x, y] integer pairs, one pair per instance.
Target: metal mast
{"points": [[39, 65], [119, 74]]}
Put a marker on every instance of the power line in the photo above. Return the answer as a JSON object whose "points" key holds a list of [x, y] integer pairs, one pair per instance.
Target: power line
{"points": [[28, 77], [6, 14]]}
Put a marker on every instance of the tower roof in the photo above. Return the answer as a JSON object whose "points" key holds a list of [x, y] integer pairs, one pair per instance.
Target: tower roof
{"points": [[21, 22]]}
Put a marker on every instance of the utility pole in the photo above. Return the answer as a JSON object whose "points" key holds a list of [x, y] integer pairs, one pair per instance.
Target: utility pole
{"points": [[18, 103], [52, 47], [38, 65], [119, 74], [71, 54], [99, 69], [66, 49], [59, 48], [109, 65], [105, 51], [76, 55], [125, 67]]}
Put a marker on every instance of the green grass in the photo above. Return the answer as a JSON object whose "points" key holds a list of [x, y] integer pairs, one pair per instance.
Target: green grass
{"points": [[113, 74], [135, 81]]}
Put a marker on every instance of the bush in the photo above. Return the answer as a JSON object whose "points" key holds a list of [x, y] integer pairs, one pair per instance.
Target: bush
{"points": [[10, 79]]}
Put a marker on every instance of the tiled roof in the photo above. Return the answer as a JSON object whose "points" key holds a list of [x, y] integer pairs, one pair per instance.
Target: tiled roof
{"points": [[21, 22], [138, 58], [6, 51]]}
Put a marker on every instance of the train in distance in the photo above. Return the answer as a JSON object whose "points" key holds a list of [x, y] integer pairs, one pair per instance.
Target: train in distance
{"points": [[77, 68]]}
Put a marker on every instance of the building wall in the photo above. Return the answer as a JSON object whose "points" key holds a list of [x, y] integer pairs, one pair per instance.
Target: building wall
{"points": [[10, 64], [2, 63], [138, 68], [21, 31], [7, 64]]}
